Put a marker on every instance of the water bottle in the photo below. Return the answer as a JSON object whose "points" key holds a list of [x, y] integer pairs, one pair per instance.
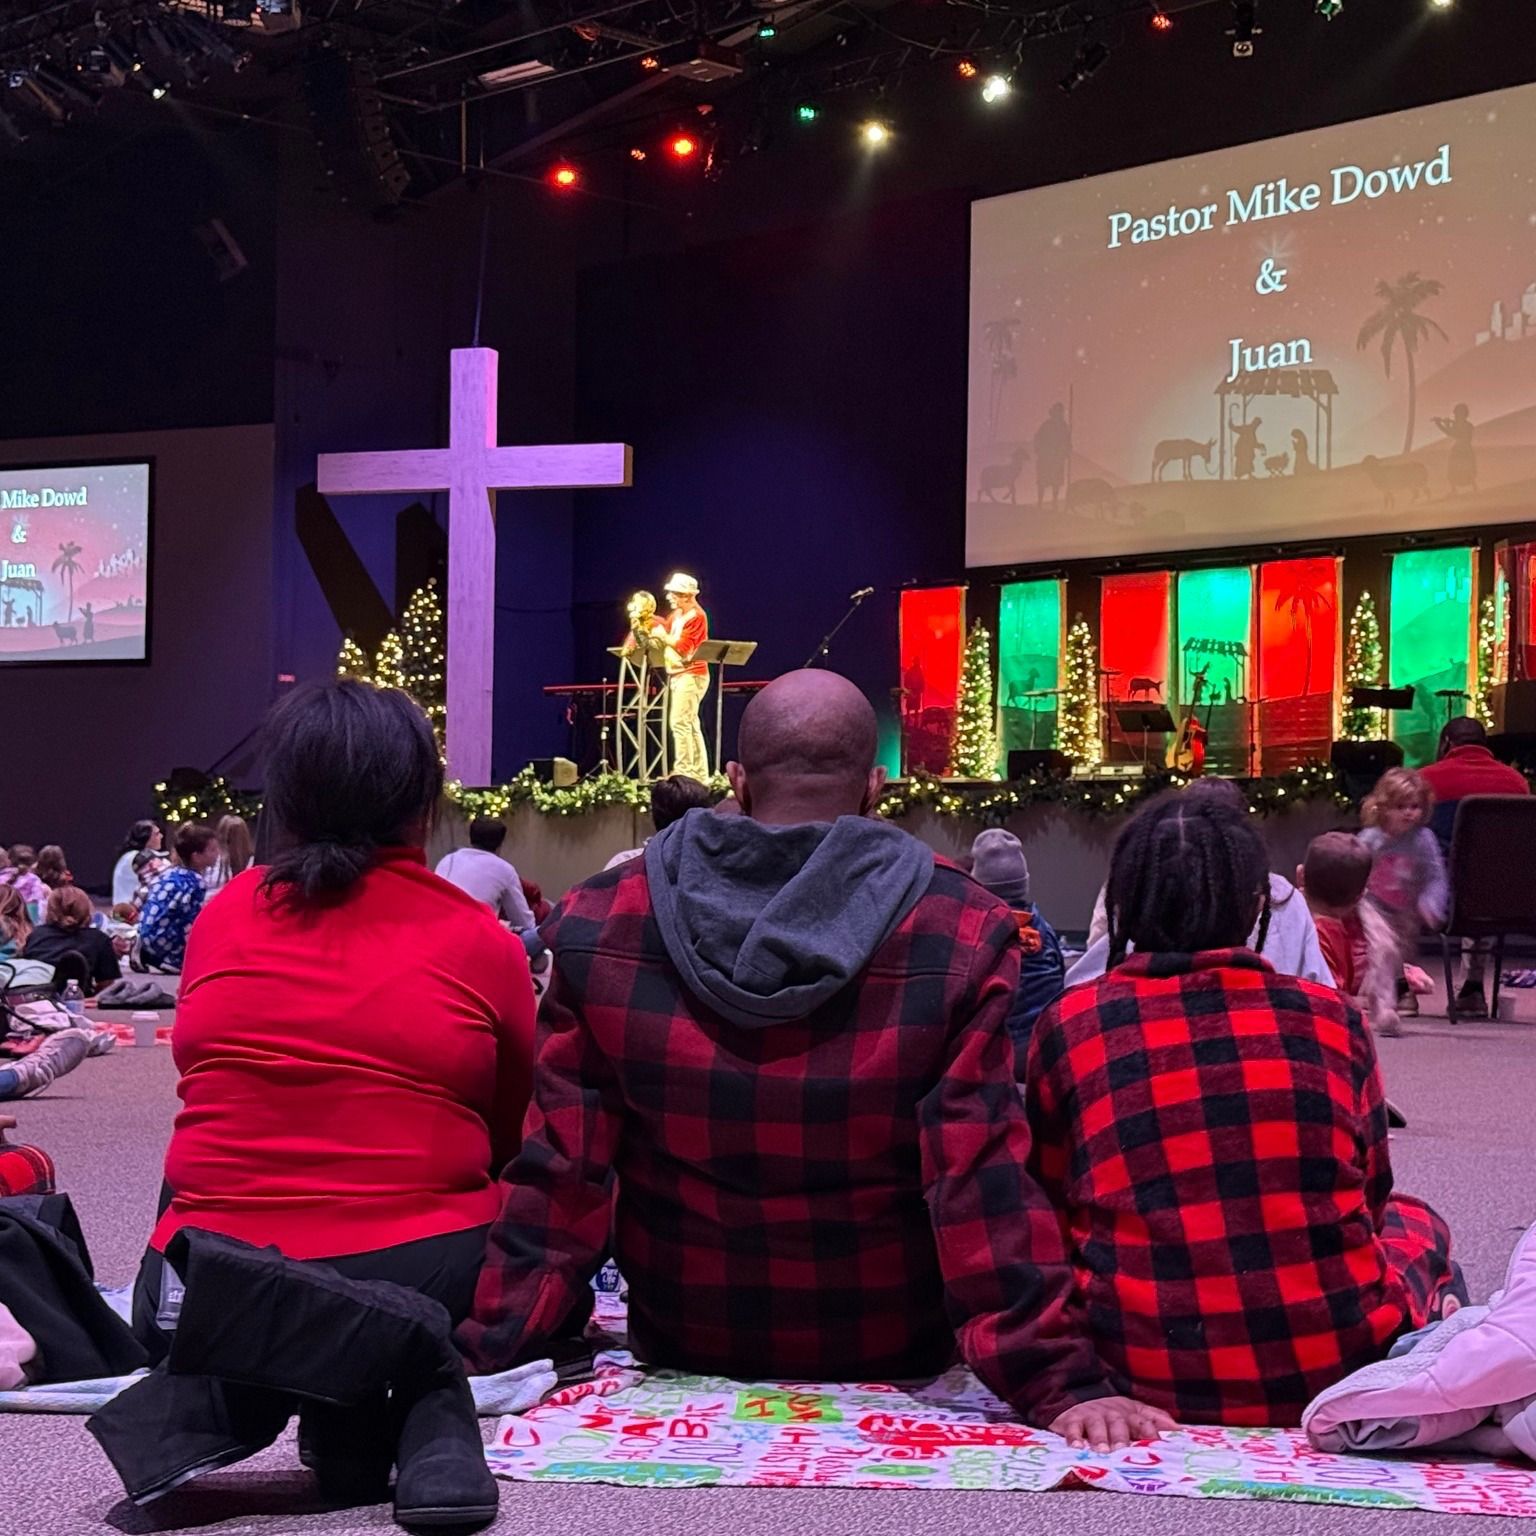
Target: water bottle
{"points": [[74, 1000]]}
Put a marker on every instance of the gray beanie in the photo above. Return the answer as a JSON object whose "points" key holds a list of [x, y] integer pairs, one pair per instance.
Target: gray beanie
{"points": [[1000, 865]]}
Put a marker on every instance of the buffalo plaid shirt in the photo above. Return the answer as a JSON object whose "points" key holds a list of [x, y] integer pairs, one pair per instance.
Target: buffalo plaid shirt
{"points": [[1215, 1139], [838, 1198]]}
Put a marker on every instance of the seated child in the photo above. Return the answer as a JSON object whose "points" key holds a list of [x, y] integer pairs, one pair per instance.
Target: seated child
{"points": [[998, 862], [1408, 884], [1214, 1139], [176, 897]]}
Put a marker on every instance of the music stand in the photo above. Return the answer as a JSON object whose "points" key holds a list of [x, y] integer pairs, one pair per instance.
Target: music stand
{"points": [[721, 654], [1149, 719], [640, 722], [1384, 699]]}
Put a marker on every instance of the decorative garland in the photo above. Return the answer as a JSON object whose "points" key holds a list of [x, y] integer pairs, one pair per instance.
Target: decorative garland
{"points": [[596, 793], [1313, 781]]}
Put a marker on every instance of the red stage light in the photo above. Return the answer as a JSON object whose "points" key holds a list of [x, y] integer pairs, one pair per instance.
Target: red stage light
{"points": [[683, 146], [565, 177]]}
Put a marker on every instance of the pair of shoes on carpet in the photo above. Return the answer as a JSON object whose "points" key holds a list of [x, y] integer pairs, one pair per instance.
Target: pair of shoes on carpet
{"points": [[59, 1053], [1470, 1002], [369, 1366]]}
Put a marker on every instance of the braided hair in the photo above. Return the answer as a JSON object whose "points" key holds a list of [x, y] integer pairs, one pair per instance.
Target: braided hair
{"points": [[1188, 873]]}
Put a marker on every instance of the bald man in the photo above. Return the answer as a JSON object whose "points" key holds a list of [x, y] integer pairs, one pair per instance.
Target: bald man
{"points": [[774, 1078]]}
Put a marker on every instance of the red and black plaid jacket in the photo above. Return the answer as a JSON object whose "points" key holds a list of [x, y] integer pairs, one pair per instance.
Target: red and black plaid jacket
{"points": [[1215, 1139], [836, 1198]]}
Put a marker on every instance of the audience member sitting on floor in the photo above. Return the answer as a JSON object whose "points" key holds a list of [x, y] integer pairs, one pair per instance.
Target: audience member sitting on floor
{"points": [[175, 897], [15, 923], [1289, 942], [780, 1038], [1465, 766], [998, 862], [53, 867], [1214, 1138], [671, 799], [24, 1170], [237, 852], [68, 932], [143, 836], [1408, 884], [354, 1035], [53, 1056], [22, 877], [481, 872]]}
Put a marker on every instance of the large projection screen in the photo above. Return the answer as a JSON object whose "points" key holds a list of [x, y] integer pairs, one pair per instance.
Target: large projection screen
{"points": [[1324, 335], [74, 563]]}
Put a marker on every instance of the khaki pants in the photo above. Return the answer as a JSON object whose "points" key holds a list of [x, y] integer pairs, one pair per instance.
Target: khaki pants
{"points": [[685, 698]]}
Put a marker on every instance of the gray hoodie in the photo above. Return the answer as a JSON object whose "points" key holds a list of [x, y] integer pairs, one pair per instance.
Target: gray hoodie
{"points": [[766, 924]]}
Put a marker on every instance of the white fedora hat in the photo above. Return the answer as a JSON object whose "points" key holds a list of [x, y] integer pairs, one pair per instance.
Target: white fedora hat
{"points": [[680, 581]]}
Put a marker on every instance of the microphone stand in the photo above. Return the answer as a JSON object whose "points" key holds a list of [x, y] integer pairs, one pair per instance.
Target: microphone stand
{"points": [[820, 653]]}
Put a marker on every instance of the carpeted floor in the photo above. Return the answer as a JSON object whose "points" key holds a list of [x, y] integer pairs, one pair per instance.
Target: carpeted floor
{"points": [[1468, 1149]]}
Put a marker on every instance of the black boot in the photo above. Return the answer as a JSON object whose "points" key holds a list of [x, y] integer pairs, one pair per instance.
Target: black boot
{"points": [[252, 1316], [350, 1450], [442, 1479], [165, 1430]]}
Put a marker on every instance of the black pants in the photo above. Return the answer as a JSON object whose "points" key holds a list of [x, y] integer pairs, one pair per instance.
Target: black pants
{"points": [[444, 1268]]}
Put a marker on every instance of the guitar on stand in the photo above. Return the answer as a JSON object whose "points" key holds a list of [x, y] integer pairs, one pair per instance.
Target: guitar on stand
{"points": [[1186, 752]]}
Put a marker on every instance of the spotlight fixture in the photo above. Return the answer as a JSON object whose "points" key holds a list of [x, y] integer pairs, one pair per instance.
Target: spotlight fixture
{"points": [[637, 154], [1328, 9], [1442, 5], [1090, 58], [966, 69], [807, 112], [650, 62], [682, 146], [875, 133], [1244, 28], [996, 88], [1161, 20], [565, 176], [767, 29]]}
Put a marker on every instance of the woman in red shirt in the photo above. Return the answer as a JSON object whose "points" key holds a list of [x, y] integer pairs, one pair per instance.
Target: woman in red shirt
{"points": [[354, 1035]]}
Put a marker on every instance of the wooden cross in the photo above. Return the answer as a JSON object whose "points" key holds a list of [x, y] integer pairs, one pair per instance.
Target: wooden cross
{"points": [[472, 468]]}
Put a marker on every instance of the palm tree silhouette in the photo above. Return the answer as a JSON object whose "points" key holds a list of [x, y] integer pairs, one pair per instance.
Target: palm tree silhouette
{"points": [[67, 567], [998, 335], [1397, 321], [1307, 601]]}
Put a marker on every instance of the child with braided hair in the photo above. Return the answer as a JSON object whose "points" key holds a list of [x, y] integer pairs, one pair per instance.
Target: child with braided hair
{"points": [[1214, 1139]]}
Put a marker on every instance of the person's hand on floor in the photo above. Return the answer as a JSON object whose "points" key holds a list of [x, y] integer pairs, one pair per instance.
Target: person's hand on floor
{"points": [[7, 1123], [1108, 1423]]}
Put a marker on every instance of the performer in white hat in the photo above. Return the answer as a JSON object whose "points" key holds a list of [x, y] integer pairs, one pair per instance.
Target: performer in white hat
{"points": [[687, 678]]}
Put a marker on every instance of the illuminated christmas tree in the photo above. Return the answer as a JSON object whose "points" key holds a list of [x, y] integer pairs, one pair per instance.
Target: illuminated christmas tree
{"points": [[975, 753], [389, 664], [1487, 661], [1364, 667], [352, 661], [422, 668], [1077, 735]]}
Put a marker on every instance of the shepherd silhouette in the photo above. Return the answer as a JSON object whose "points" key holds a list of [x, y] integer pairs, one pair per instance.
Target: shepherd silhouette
{"points": [[1461, 467], [1053, 447]]}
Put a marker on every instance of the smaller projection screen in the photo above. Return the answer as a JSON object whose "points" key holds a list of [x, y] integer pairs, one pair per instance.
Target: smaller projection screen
{"points": [[74, 563]]}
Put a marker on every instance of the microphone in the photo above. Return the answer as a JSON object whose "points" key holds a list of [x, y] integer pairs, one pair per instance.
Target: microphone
{"points": [[861, 594]]}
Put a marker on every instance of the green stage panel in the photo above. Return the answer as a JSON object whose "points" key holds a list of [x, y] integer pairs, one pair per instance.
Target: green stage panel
{"points": [[1215, 618], [1029, 630], [1429, 641]]}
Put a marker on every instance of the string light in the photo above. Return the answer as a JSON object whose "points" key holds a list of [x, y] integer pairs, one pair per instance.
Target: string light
{"points": [[1364, 667], [1077, 733]]}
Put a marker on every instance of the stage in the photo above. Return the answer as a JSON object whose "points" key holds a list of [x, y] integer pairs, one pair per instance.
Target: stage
{"points": [[1068, 851]]}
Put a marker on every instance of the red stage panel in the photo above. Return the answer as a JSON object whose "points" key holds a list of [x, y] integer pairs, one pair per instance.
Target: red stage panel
{"points": [[1134, 625], [1298, 627], [932, 643]]}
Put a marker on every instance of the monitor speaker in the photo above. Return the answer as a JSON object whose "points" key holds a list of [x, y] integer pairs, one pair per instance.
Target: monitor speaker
{"points": [[1038, 763], [557, 772], [1363, 762], [1514, 707]]}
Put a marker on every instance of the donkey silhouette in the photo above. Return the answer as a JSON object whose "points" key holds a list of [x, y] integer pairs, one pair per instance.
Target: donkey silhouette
{"points": [[1182, 449]]}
